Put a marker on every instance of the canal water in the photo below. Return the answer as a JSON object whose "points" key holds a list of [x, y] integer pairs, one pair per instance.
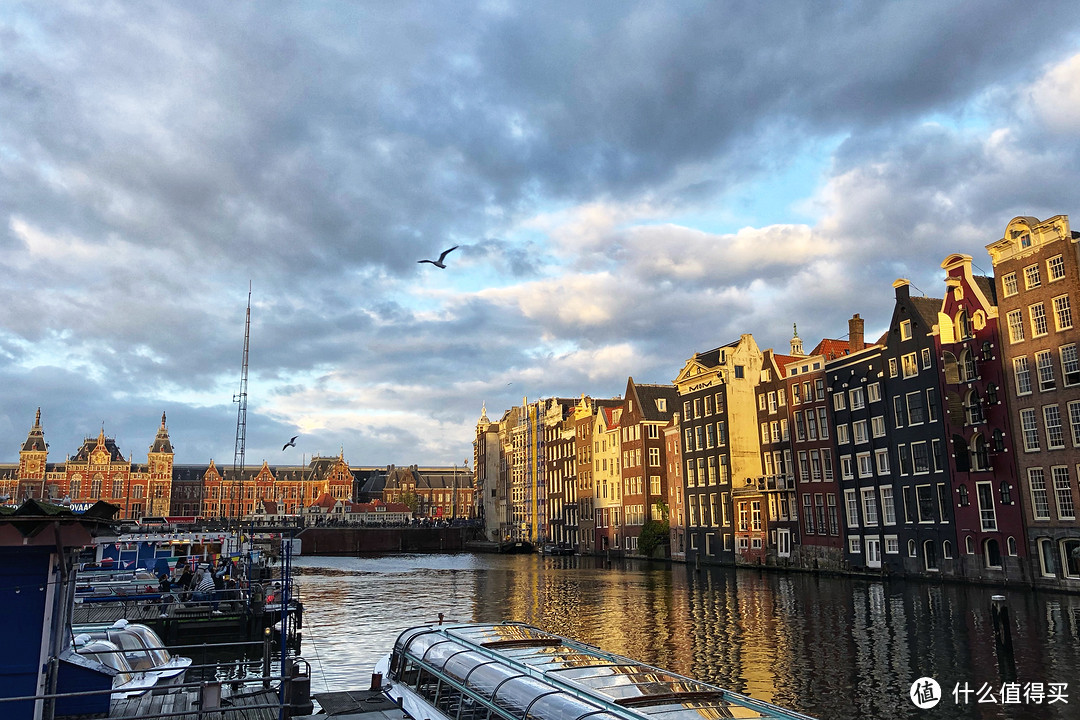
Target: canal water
{"points": [[833, 647]]}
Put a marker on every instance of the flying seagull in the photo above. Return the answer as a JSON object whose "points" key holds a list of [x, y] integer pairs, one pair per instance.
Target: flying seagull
{"points": [[291, 443], [439, 263]]}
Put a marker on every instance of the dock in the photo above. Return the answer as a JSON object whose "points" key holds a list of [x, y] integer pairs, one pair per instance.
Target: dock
{"points": [[177, 622], [184, 705], [354, 705]]}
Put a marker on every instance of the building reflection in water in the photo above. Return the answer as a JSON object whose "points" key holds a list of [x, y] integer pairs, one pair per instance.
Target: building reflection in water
{"points": [[833, 647]]}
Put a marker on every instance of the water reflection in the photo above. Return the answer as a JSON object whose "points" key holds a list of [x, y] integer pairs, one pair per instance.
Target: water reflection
{"points": [[832, 647]]}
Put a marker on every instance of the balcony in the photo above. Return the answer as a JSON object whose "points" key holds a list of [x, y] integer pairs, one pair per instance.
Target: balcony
{"points": [[756, 486]]}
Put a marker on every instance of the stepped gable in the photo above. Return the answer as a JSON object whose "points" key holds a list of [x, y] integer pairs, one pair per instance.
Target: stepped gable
{"points": [[35, 439], [162, 443]]}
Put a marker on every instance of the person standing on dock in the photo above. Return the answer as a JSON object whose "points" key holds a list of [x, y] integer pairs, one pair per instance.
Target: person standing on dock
{"points": [[205, 591]]}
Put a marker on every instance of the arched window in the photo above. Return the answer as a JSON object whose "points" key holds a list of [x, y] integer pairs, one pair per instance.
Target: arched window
{"points": [[962, 491], [911, 549], [1010, 543], [963, 325], [946, 550], [980, 458], [960, 452], [969, 545], [973, 407], [967, 367], [987, 351], [1070, 557], [991, 394], [952, 370], [999, 441], [930, 558], [992, 553]]}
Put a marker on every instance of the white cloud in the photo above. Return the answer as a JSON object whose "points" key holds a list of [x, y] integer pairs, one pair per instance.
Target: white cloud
{"points": [[1055, 96]]}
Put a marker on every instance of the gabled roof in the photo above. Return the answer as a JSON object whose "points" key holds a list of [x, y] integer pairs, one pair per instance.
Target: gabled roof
{"points": [[927, 308], [988, 288], [648, 396], [324, 501], [831, 349], [83, 453]]}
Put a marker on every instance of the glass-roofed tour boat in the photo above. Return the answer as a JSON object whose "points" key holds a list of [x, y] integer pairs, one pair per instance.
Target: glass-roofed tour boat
{"points": [[514, 671]]}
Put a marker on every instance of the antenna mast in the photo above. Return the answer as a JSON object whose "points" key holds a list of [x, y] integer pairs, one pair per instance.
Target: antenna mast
{"points": [[241, 413]]}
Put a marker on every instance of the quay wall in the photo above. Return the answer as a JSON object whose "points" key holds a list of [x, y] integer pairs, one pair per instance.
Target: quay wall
{"points": [[360, 540]]}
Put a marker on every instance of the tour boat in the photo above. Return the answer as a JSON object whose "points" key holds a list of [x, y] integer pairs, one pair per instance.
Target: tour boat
{"points": [[509, 671]]}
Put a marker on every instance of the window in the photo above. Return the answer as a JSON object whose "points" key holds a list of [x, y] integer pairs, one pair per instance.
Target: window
{"points": [[973, 408], [931, 405], [796, 398], [834, 521], [905, 330], [800, 427], [839, 401], [1015, 319], [1055, 268], [846, 469], [772, 401], [1030, 429], [1074, 421], [898, 410], [851, 503], [946, 549], [892, 367], [1066, 509], [855, 545], [925, 497], [826, 463], [915, 409], [892, 545], [987, 515], [808, 513], [1032, 278], [904, 454], [926, 358], [920, 458], [911, 549], [1038, 320], [869, 501], [1022, 372], [1070, 557], [815, 465], [811, 425], [866, 465], [1040, 505], [910, 365], [882, 458], [1055, 438], [761, 401], [1070, 364], [1062, 313], [1006, 492], [873, 392], [858, 398], [877, 426], [888, 508], [654, 457], [842, 434], [1044, 363], [858, 429], [819, 388], [1008, 284]]}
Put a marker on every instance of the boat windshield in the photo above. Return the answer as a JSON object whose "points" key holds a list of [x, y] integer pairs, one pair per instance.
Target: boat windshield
{"points": [[107, 654], [151, 642], [520, 672]]}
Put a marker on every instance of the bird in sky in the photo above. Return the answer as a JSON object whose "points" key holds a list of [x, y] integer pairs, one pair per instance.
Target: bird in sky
{"points": [[291, 443], [439, 263]]}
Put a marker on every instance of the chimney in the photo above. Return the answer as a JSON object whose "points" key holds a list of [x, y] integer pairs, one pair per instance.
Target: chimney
{"points": [[855, 333]]}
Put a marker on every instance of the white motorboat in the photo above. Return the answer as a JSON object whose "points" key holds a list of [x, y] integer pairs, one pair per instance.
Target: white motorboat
{"points": [[141, 648]]}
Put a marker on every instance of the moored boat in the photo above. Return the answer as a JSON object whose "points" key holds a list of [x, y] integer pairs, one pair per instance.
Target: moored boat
{"points": [[511, 670], [141, 648]]}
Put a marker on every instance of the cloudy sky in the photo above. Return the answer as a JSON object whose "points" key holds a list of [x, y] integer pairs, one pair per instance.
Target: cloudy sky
{"points": [[629, 183]]}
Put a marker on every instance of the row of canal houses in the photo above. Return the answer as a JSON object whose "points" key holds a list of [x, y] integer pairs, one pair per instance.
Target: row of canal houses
{"points": [[949, 447]]}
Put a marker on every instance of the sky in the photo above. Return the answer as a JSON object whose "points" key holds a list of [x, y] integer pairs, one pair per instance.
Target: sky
{"points": [[627, 183]]}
